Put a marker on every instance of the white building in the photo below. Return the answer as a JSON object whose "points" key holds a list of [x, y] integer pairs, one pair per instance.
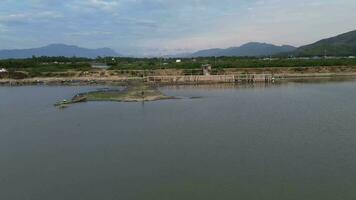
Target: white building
{"points": [[3, 70], [178, 61]]}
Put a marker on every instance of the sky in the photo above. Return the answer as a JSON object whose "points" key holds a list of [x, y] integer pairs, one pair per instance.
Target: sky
{"points": [[163, 27]]}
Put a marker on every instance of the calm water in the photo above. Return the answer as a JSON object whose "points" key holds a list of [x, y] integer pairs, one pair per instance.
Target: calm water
{"points": [[294, 141]]}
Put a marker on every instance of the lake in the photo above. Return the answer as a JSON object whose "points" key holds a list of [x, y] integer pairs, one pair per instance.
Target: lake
{"points": [[291, 141]]}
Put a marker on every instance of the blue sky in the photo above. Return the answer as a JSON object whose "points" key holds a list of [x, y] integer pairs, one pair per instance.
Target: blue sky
{"points": [[154, 27]]}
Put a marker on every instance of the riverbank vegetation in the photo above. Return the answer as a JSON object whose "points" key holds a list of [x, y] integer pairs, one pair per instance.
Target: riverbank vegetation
{"points": [[225, 62], [52, 66], [40, 66]]}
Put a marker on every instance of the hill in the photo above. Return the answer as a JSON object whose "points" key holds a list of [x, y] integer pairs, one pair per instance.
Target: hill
{"points": [[341, 45], [57, 50], [249, 49]]}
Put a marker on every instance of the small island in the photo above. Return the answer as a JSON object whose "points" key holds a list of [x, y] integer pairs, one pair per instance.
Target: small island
{"points": [[134, 92]]}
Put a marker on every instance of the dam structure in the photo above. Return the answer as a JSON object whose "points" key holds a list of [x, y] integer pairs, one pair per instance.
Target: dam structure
{"points": [[240, 78]]}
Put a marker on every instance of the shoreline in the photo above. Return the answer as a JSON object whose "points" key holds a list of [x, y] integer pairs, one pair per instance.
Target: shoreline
{"points": [[174, 80]]}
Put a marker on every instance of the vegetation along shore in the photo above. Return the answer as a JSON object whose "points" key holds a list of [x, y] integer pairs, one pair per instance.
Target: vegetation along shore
{"points": [[62, 70]]}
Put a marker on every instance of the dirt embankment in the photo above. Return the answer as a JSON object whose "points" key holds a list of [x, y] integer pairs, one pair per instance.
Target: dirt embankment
{"points": [[292, 70], [106, 76]]}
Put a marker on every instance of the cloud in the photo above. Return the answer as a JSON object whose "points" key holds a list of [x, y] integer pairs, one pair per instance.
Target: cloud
{"points": [[94, 5], [30, 17], [3, 29], [91, 34], [103, 4], [145, 26]]}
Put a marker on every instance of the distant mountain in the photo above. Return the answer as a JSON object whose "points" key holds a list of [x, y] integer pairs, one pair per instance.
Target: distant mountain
{"points": [[57, 50], [249, 49], [341, 45]]}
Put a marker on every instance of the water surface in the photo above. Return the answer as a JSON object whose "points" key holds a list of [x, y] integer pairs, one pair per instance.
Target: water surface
{"points": [[291, 141]]}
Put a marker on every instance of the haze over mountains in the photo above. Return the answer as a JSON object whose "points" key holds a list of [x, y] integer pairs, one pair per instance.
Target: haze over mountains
{"points": [[57, 50], [341, 45]]}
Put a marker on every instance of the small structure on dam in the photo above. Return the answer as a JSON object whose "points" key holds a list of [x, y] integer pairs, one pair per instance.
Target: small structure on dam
{"points": [[3, 70], [206, 69]]}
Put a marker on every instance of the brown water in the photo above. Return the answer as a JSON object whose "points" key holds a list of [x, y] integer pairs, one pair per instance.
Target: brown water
{"points": [[292, 141]]}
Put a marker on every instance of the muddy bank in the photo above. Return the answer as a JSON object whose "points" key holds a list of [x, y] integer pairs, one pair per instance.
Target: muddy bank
{"points": [[68, 81]]}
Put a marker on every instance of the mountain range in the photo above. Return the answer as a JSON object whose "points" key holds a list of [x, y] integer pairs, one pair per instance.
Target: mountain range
{"points": [[57, 50], [341, 45], [249, 49]]}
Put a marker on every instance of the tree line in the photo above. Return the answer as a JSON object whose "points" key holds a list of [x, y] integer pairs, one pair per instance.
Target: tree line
{"points": [[49, 64]]}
